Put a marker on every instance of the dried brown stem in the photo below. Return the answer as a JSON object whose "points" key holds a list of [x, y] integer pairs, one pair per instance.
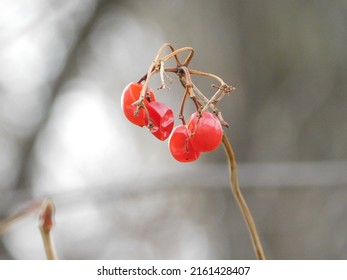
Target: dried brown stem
{"points": [[200, 73], [176, 52], [241, 201], [190, 90], [181, 116], [172, 54], [162, 76], [156, 65]]}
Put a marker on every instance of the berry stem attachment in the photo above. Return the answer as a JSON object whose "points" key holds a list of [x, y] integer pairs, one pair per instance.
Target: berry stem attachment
{"points": [[181, 116], [190, 91], [157, 65], [162, 76], [235, 188]]}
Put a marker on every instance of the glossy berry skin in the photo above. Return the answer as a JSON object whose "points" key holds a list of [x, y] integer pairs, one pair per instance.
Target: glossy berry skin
{"points": [[131, 94], [180, 145], [206, 132], [162, 119]]}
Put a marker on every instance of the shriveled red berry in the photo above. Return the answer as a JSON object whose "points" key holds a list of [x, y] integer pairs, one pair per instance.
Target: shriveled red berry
{"points": [[180, 145], [206, 131], [162, 119], [130, 94]]}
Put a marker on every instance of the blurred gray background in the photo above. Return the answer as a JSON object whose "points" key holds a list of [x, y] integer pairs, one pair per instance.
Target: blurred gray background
{"points": [[118, 192]]}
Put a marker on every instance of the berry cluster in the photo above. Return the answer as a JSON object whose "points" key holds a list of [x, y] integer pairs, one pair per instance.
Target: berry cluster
{"points": [[201, 133], [157, 116]]}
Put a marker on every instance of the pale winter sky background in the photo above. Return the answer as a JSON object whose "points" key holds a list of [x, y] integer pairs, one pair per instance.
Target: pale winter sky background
{"points": [[118, 192]]}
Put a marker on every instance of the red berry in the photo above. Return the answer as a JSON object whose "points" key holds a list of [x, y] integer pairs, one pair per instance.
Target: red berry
{"points": [[180, 145], [130, 94], [162, 119], [206, 132]]}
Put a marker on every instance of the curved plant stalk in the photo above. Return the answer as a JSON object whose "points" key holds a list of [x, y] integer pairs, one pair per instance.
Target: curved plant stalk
{"points": [[176, 52], [241, 201], [161, 50], [181, 116], [46, 224], [201, 73]]}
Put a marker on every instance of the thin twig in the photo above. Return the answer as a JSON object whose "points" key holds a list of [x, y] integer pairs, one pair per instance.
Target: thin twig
{"points": [[241, 201], [181, 116], [201, 73], [7, 222], [174, 53], [46, 225], [162, 76]]}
